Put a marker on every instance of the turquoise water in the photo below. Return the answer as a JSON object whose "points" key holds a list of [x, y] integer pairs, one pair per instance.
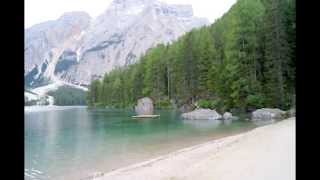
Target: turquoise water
{"points": [[75, 142]]}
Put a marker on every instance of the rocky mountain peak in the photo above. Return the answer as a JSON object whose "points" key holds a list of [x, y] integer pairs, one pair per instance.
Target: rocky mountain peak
{"points": [[131, 2], [134, 7], [75, 47], [74, 15], [173, 9]]}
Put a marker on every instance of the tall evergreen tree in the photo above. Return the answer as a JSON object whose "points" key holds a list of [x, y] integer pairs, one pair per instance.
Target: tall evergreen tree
{"points": [[277, 50]]}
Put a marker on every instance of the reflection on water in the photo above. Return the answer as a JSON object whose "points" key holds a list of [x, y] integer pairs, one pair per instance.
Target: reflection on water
{"points": [[76, 142], [210, 124], [227, 121]]}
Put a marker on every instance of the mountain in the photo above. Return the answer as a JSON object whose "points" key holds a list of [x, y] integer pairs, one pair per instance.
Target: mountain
{"points": [[236, 64], [77, 48], [46, 42]]}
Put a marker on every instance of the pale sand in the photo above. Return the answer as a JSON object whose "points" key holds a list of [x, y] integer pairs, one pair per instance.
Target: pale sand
{"points": [[265, 153]]}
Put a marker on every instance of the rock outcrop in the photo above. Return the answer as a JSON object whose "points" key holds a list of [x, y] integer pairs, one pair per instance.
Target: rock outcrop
{"points": [[291, 112], [144, 106], [46, 42], [268, 115], [227, 116], [202, 114], [187, 108]]}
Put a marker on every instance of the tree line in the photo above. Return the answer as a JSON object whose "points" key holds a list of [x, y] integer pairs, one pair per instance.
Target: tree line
{"points": [[68, 96], [244, 60]]}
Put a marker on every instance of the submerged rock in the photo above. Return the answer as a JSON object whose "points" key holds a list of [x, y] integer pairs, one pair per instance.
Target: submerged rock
{"points": [[268, 115], [202, 114], [144, 106]]}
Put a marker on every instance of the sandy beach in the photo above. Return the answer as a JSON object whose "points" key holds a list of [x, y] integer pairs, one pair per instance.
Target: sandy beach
{"points": [[266, 152]]}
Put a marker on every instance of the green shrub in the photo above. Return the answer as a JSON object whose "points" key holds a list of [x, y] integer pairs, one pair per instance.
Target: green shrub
{"points": [[163, 104], [207, 104], [256, 101]]}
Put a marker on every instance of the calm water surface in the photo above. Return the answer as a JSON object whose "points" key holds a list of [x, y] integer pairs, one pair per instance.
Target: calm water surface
{"points": [[73, 143]]}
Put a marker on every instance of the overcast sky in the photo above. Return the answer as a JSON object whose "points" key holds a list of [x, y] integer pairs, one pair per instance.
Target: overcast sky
{"points": [[37, 11]]}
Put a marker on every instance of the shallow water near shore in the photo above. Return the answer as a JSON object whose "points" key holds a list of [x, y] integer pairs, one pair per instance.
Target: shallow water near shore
{"points": [[74, 143]]}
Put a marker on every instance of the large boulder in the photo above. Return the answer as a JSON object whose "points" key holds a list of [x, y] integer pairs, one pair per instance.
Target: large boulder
{"points": [[202, 114], [187, 108], [227, 116], [268, 115], [291, 112], [144, 106]]}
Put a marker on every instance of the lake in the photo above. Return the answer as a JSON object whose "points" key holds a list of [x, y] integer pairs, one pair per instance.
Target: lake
{"points": [[75, 142]]}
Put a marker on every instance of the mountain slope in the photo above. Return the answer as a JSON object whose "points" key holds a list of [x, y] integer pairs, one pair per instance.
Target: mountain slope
{"points": [[45, 42], [77, 49]]}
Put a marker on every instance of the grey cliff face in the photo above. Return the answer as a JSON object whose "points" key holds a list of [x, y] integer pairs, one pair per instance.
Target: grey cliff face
{"points": [[46, 41], [77, 48]]}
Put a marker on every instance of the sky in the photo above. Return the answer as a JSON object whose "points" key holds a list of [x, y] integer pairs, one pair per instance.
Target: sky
{"points": [[37, 11]]}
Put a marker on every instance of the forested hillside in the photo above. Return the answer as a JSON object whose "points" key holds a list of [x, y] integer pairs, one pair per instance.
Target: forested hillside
{"points": [[67, 96], [244, 60]]}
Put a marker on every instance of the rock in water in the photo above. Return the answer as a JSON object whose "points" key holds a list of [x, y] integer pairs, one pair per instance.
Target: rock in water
{"points": [[202, 114], [267, 115], [144, 106], [227, 116], [186, 108]]}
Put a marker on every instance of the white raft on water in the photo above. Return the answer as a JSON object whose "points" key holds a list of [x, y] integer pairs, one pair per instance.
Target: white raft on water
{"points": [[146, 116]]}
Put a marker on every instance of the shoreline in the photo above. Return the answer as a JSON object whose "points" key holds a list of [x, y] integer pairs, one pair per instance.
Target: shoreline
{"points": [[251, 155], [38, 108]]}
